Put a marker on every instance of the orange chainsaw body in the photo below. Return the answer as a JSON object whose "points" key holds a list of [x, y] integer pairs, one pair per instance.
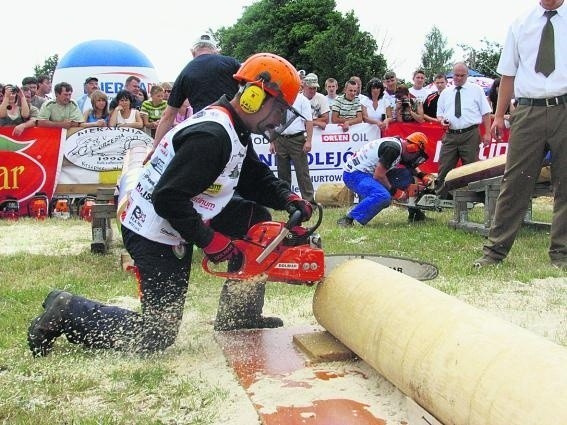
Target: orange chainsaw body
{"points": [[296, 259]]}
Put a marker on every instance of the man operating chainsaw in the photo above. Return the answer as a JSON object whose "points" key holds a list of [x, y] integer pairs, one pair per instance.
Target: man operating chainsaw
{"points": [[380, 172], [204, 185]]}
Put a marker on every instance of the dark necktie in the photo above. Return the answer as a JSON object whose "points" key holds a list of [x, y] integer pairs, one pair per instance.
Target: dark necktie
{"points": [[458, 102], [545, 62]]}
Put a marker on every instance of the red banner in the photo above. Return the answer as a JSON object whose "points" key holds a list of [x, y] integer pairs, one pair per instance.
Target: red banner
{"points": [[29, 163], [33, 162], [435, 132]]}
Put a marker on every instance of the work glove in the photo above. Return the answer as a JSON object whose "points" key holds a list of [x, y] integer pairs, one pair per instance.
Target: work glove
{"points": [[428, 179], [221, 249], [400, 195], [295, 203]]}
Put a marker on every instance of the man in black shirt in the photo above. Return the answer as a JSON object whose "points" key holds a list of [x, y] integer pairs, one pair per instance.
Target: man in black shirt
{"points": [[430, 103], [203, 80]]}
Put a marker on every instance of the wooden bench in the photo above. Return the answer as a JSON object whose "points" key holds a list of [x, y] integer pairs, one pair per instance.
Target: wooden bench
{"points": [[103, 211], [486, 192]]}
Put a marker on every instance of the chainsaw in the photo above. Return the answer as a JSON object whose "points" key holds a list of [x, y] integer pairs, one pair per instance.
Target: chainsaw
{"points": [[425, 198], [292, 253], [282, 252]]}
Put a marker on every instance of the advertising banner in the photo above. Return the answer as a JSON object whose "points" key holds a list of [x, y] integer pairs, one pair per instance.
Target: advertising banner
{"points": [[331, 147], [29, 163], [102, 148], [49, 160]]}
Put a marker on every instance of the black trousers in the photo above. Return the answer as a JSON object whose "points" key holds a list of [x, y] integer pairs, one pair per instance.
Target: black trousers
{"points": [[164, 280]]}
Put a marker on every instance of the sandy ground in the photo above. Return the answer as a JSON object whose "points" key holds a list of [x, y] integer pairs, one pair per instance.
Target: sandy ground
{"points": [[526, 305]]}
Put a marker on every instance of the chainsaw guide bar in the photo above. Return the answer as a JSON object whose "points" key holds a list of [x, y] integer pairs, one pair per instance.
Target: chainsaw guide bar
{"points": [[290, 253], [417, 269]]}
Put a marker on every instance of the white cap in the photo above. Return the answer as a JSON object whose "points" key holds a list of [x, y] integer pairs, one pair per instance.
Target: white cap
{"points": [[205, 40], [311, 80]]}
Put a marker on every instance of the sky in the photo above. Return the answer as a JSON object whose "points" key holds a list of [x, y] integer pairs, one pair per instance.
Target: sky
{"points": [[165, 33]]}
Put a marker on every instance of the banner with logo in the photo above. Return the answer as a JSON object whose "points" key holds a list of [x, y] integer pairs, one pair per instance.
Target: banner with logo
{"points": [[331, 148], [102, 148], [49, 159], [94, 156], [29, 163]]}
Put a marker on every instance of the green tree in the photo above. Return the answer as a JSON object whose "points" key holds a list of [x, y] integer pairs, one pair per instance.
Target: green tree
{"points": [[311, 34], [48, 67], [435, 57], [484, 60]]}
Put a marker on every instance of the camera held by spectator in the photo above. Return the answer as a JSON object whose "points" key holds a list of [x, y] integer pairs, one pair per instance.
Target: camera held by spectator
{"points": [[404, 101]]}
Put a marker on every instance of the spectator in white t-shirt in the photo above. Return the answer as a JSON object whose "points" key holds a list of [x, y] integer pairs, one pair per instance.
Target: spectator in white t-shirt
{"points": [[331, 87], [319, 104], [84, 102], [376, 109], [390, 87], [418, 90]]}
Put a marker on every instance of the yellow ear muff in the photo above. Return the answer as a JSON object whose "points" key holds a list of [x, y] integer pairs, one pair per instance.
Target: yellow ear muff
{"points": [[252, 98]]}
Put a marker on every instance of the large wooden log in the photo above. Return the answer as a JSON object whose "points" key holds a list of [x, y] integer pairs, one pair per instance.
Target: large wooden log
{"points": [[334, 195], [465, 366], [481, 170]]}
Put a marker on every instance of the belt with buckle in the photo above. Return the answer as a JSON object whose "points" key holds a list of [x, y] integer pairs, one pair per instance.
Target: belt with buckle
{"points": [[462, 130], [291, 136], [550, 101]]}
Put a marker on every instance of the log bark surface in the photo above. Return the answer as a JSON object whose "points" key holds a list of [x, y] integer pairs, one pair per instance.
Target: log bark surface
{"points": [[465, 366]]}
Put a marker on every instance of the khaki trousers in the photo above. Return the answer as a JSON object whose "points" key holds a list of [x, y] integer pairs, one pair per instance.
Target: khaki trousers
{"points": [[533, 130], [290, 150]]}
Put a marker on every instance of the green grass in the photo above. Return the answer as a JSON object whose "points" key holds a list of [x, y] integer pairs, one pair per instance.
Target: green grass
{"points": [[185, 385]]}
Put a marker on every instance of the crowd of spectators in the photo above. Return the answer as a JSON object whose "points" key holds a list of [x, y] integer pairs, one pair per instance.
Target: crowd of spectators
{"points": [[36, 103], [382, 101]]}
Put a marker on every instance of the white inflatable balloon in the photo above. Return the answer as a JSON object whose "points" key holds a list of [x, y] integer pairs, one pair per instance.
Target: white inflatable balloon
{"points": [[110, 61]]}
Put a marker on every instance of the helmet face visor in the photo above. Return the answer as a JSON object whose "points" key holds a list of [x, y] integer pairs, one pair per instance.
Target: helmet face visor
{"points": [[414, 160], [289, 115], [421, 158], [273, 118]]}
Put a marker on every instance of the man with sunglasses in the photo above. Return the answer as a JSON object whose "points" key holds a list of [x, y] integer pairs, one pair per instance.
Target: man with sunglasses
{"points": [[380, 172]]}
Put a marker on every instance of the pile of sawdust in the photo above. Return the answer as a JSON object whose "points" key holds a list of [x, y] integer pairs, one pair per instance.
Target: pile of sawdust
{"points": [[50, 237]]}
